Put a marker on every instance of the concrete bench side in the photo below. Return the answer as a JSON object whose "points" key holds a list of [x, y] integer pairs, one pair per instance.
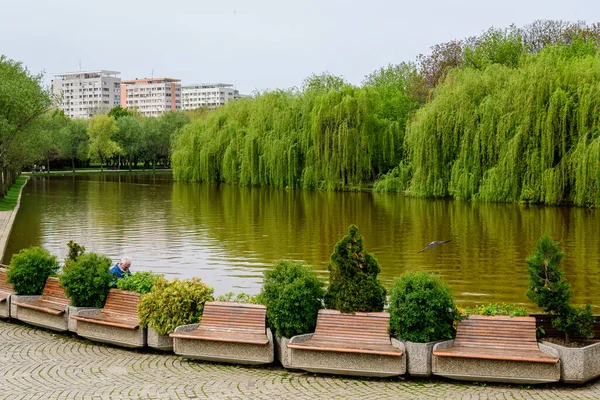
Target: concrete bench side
{"points": [[5, 307], [228, 352], [59, 323], [472, 369], [131, 338], [332, 362]]}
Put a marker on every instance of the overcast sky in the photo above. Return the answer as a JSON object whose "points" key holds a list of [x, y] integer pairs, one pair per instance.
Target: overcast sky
{"points": [[256, 44]]}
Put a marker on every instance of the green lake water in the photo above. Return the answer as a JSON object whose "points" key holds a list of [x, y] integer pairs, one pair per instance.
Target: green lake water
{"points": [[228, 235]]}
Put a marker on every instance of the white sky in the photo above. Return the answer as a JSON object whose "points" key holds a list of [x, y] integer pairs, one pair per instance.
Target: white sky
{"points": [[256, 44]]}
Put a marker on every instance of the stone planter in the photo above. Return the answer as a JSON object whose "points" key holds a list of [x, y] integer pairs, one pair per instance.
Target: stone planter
{"points": [[486, 370], [158, 341], [284, 355], [418, 358], [578, 365], [72, 324], [59, 323], [354, 364], [5, 307]]}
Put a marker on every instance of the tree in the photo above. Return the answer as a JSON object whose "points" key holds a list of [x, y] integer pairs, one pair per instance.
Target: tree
{"points": [[100, 130], [22, 100], [118, 112], [550, 291], [495, 46], [74, 142], [129, 138], [323, 83], [353, 283], [45, 135]]}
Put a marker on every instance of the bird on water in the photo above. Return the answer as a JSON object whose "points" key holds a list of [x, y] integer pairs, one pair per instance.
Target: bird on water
{"points": [[433, 244]]}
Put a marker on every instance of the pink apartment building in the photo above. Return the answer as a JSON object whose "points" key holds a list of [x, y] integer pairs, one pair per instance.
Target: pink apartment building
{"points": [[151, 96]]}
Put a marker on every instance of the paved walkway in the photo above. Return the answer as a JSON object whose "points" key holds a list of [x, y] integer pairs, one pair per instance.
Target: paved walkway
{"points": [[38, 364]]}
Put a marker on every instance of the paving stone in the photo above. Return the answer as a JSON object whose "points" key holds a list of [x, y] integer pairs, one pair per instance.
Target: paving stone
{"points": [[39, 364]]}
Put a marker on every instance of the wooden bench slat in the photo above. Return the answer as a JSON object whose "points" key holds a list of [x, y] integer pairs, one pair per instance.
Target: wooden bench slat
{"points": [[99, 320], [230, 322], [345, 349], [120, 310], [50, 308], [497, 338]]}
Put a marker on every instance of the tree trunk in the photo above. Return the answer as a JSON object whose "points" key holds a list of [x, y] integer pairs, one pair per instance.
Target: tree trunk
{"points": [[73, 165]]}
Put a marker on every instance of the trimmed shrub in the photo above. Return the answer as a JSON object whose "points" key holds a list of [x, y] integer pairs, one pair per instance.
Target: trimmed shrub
{"points": [[87, 280], [550, 291], [353, 283], [238, 298], [497, 309], [139, 282], [173, 303], [422, 308], [293, 295], [29, 269]]}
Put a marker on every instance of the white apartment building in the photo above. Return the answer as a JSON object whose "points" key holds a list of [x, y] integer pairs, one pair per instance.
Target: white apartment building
{"points": [[84, 94], [151, 96], [209, 95]]}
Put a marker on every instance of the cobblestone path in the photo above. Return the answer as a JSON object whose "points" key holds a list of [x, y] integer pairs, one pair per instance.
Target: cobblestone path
{"points": [[38, 364]]}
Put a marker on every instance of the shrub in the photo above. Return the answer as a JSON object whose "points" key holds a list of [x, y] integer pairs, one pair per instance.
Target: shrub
{"points": [[293, 295], [550, 291], [238, 298], [497, 309], [29, 269], [75, 250], [422, 308], [173, 303], [139, 282], [87, 280], [353, 283]]}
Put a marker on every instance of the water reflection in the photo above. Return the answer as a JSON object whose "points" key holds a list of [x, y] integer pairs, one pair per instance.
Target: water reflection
{"points": [[229, 235]]}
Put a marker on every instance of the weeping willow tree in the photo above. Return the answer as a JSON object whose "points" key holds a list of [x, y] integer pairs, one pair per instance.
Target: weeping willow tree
{"points": [[530, 133], [319, 138]]}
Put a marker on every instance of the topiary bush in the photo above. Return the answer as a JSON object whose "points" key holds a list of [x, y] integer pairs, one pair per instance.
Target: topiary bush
{"points": [[139, 282], [497, 309], [293, 295], [29, 269], [550, 291], [173, 303], [87, 280], [422, 308], [353, 283]]}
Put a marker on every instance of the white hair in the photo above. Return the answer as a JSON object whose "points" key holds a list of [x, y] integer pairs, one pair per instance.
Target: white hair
{"points": [[126, 261]]}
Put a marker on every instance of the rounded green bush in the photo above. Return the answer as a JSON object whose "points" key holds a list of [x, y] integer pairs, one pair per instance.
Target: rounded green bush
{"points": [[29, 269], [422, 308], [173, 303], [353, 283], [293, 295], [139, 282], [87, 280]]}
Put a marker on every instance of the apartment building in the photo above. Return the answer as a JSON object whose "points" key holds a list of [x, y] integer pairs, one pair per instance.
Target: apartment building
{"points": [[84, 94], [151, 96], [210, 95]]}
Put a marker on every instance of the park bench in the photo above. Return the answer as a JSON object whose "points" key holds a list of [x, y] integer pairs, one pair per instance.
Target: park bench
{"points": [[49, 310], [483, 346], [116, 323], [353, 344], [230, 332], [6, 290]]}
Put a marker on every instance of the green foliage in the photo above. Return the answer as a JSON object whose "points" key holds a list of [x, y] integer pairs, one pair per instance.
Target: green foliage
{"points": [[293, 295], [75, 250], [422, 308], [173, 303], [73, 141], [23, 99], [87, 280], [353, 283], [139, 282], [231, 297], [29, 269], [512, 134], [550, 291], [101, 129], [118, 112], [9, 201], [497, 309]]}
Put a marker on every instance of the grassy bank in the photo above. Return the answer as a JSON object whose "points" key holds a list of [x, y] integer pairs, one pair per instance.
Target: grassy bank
{"points": [[9, 201]]}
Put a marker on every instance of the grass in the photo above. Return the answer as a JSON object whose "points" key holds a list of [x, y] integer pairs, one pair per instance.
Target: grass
{"points": [[9, 201]]}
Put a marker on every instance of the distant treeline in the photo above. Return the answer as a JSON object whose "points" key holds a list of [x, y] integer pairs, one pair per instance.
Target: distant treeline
{"points": [[509, 115]]}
